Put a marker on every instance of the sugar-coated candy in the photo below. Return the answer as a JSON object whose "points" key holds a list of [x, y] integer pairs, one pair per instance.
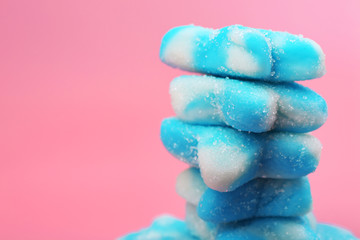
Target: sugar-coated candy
{"points": [[163, 228], [257, 198], [197, 226], [194, 228], [190, 185], [243, 131], [228, 158], [274, 228], [247, 106], [328, 232], [241, 52]]}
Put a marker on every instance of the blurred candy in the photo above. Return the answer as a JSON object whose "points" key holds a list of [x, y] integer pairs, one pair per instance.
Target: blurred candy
{"points": [[328, 232], [257, 198], [163, 228], [197, 226], [247, 106], [228, 158], [242, 52], [296, 228]]}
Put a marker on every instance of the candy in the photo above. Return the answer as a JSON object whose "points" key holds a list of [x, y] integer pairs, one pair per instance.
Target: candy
{"points": [[190, 185], [228, 158], [247, 106], [328, 232], [242, 52], [163, 228], [197, 226], [244, 138], [275, 228], [257, 198], [299, 228]]}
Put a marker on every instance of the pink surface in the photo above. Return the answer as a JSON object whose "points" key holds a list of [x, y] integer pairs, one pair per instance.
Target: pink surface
{"points": [[83, 92]]}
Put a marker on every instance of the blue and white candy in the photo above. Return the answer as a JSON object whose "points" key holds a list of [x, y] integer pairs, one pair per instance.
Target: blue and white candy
{"points": [[294, 228], [257, 198], [163, 228], [247, 106], [242, 52], [228, 158], [329, 232], [275, 228], [170, 228], [283, 229]]}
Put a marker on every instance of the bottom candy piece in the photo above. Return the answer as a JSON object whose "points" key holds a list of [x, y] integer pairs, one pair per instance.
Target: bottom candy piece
{"points": [[163, 228], [273, 228], [328, 232], [304, 228], [257, 198]]}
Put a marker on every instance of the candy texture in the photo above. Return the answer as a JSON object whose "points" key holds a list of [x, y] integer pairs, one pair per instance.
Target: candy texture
{"points": [[242, 52], [247, 106], [163, 228], [299, 228], [243, 133], [228, 158], [328, 232], [294, 228], [257, 198]]}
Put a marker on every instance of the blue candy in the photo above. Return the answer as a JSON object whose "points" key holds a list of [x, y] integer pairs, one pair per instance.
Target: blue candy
{"points": [[228, 158], [328, 232], [242, 52], [276, 228], [257, 198], [297, 228], [163, 228], [190, 185], [244, 140], [247, 106]]}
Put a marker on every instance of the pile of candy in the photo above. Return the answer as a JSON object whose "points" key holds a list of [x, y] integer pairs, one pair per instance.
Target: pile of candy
{"points": [[243, 131]]}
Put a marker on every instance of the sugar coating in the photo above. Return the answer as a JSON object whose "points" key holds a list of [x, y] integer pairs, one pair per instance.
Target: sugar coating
{"points": [[294, 228], [194, 228], [163, 228], [188, 189], [190, 186], [257, 198], [197, 226], [328, 232], [310, 217], [247, 181], [228, 158], [247, 106], [241, 52]]}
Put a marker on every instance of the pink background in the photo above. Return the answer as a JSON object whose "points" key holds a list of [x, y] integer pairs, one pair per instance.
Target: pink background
{"points": [[83, 92]]}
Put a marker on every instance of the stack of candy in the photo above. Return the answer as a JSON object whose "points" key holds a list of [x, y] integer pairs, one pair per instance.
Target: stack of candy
{"points": [[243, 132]]}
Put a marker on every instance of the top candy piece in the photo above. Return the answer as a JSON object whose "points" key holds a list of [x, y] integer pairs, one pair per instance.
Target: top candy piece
{"points": [[242, 52]]}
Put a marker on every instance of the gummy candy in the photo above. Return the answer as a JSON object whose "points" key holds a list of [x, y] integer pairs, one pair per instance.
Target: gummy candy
{"points": [[257, 198], [243, 132], [228, 158], [242, 52], [247, 106]]}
